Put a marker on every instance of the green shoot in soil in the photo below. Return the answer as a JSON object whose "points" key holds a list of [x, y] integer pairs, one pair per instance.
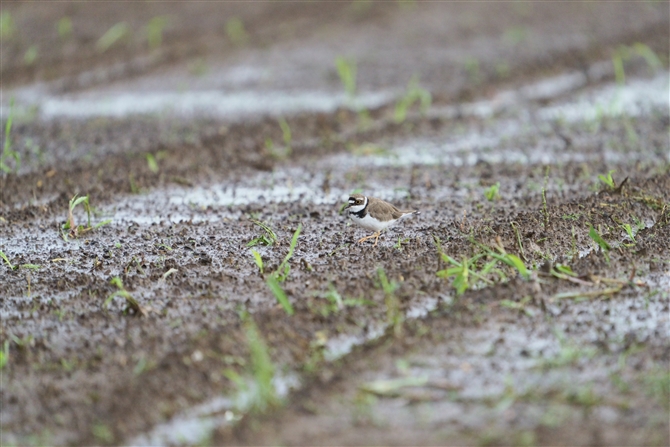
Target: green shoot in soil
{"points": [[284, 269], [268, 238], [64, 28], [152, 163], [122, 292], [113, 35], [492, 192], [280, 295], [413, 93], [6, 259], [70, 227], [154, 31], [7, 27], [336, 302], [4, 355], [7, 151], [598, 239], [258, 260], [256, 393], [30, 56], [236, 32], [346, 69], [393, 313], [607, 179]]}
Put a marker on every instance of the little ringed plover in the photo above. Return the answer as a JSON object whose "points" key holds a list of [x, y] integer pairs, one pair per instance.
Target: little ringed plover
{"points": [[374, 214]]}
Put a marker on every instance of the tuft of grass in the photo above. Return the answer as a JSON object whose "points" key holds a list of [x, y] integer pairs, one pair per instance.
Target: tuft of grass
{"points": [[335, 301], [30, 56], [7, 27], [258, 260], [284, 269], [70, 228], [7, 151], [236, 32], [256, 392], [492, 192], [152, 163], [6, 259], [624, 53], [413, 93], [102, 433], [154, 31], [269, 237], [393, 314], [123, 293], [607, 179], [114, 35], [346, 70], [597, 238], [4, 355], [64, 28], [280, 295]]}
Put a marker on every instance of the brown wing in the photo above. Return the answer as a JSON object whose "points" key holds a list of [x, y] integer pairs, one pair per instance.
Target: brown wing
{"points": [[384, 210]]}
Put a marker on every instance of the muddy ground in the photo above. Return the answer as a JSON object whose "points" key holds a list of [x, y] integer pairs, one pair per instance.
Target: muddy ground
{"points": [[527, 304]]}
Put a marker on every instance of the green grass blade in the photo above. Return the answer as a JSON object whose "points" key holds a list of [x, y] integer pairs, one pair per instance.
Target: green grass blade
{"points": [[279, 293]]}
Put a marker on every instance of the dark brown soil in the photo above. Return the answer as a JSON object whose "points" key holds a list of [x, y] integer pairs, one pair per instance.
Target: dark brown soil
{"points": [[526, 115]]}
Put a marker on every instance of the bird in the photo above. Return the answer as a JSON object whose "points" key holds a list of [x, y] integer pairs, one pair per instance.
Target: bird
{"points": [[374, 214]]}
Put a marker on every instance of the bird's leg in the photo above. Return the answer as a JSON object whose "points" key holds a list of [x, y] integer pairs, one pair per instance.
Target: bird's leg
{"points": [[378, 233], [375, 235]]}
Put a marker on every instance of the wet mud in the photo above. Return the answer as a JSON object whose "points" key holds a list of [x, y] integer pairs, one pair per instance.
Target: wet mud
{"points": [[215, 293]]}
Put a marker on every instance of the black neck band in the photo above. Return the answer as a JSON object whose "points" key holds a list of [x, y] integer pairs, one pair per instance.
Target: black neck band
{"points": [[360, 214]]}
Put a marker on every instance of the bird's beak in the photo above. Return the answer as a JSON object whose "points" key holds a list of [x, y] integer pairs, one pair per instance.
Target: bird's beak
{"points": [[348, 206]]}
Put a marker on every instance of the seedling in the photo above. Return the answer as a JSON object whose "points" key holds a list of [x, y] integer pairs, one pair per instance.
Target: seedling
{"points": [[286, 135], [629, 231], [4, 355], [336, 302], [492, 192], [7, 151], [6, 259], [7, 27], [236, 32], [153, 165], [115, 34], [393, 314], [122, 292], [268, 238], [346, 69], [64, 28], [280, 295], [30, 56], [413, 93], [607, 179], [284, 269], [70, 227], [154, 31], [258, 260], [401, 241], [256, 393], [598, 239]]}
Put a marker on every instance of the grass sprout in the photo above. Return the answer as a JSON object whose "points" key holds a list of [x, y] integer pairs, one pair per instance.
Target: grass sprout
{"points": [[258, 260], [4, 355], [7, 151], [236, 32], [269, 237], [280, 294], [30, 56], [256, 392], [607, 179], [64, 28], [115, 34], [346, 70], [70, 228], [393, 314], [154, 30], [284, 269], [123, 293], [7, 27], [414, 93], [492, 192], [6, 259]]}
